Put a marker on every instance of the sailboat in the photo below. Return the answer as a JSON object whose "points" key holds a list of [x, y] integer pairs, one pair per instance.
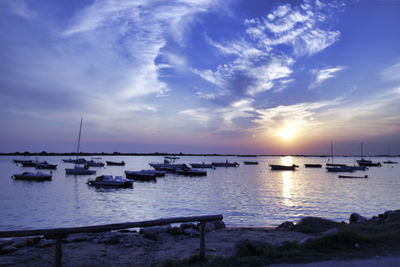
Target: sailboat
{"points": [[389, 161], [332, 167], [367, 162], [333, 164], [78, 168]]}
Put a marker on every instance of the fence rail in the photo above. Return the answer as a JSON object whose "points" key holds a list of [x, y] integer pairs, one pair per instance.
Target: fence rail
{"points": [[60, 233]]}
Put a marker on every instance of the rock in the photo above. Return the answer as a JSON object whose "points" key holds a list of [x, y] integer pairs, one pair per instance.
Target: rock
{"points": [[5, 242], [248, 247], [315, 225], [219, 224], [188, 225], [20, 242], [33, 240], [191, 232], [76, 237], [153, 232], [209, 226], [357, 218], [7, 249], [286, 226], [110, 238], [393, 216], [332, 231], [176, 231], [45, 243]]}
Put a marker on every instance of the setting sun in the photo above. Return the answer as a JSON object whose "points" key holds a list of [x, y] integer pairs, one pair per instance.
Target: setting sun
{"points": [[287, 133]]}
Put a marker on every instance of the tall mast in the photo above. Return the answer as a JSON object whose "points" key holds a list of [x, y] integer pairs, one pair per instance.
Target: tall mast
{"points": [[362, 150], [332, 151], [79, 139]]}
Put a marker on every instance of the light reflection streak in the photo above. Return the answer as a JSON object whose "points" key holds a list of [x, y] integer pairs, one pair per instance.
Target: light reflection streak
{"points": [[287, 181]]}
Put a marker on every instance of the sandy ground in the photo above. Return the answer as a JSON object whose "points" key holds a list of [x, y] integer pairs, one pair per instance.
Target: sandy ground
{"points": [[135, 250]]}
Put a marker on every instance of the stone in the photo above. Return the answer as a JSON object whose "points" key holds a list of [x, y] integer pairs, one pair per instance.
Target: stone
{"points": [[286, 226], [76, 237], [332, 231], [7, 249], [20, 242], [45, 243], [153, 232], [5, 242], [219, 224], [315, 225], [188, 225], [176, 231], [110, 237], [191, 232], [357, 218], [246, 247]]}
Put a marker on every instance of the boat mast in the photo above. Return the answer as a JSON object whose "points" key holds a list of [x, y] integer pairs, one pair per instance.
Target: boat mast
{"points": [[388, 152], [332, 151], [79, 139], [362, 150]]}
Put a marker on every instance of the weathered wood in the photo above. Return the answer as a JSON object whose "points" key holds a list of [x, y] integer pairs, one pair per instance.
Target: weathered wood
{"points": [[109, 227], [202, 240], [58, 251]]}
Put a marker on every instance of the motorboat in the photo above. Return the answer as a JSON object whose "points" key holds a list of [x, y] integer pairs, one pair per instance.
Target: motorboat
{"points": [[225, 164], [155, 172], [92, 163], [114, 163], [349, 176], [310, 165], [109, 180], [190, 172], [79, 170], [275, 167], [201, 165], [75, 161], [368, 163], [33, 176], [45, 165], [340, 169], [29, 164], [250, 162], [166, 166], [140, 175], [22, 161]]}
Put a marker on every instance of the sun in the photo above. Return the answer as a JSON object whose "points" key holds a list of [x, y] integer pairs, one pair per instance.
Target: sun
{"points": [[287, 133]]}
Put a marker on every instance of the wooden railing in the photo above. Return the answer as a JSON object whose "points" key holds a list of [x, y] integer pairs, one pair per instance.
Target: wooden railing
{"points": [[60, 233]]}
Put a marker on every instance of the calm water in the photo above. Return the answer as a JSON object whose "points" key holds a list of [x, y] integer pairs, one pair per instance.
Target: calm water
{"points": [[250, 195]]}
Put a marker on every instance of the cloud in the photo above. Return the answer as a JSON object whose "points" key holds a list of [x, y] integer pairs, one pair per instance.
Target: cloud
{"points": [[321, 75], [20, 8], [391, 73]]}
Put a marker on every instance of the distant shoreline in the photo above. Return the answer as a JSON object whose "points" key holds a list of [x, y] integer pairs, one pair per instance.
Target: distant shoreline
{"points": [[83, 154]]}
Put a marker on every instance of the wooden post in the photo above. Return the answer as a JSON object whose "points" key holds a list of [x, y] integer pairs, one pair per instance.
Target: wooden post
{"points": [[202, 240], [58, 250]]}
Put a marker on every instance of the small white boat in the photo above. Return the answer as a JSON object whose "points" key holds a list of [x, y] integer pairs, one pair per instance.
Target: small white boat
{"points": [[190, 172], [32, 176], [109, 180]]}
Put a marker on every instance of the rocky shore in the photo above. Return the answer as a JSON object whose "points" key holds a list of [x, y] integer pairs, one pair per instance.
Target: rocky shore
{"points": [[153, 246]]}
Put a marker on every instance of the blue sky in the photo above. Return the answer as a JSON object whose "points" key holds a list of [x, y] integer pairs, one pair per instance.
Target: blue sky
{"points": [[200, 76]]}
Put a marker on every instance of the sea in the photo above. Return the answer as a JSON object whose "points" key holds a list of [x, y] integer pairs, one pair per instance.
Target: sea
{"points": [[246, 196]]}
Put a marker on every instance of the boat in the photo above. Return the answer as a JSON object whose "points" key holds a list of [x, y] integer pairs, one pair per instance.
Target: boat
{"points": [[190, 172], [311, 165], [140, 175], [201, 165], [349, 176], [367, 162], [225, 164], [340, 169], [166, 166], [45, 165], [33, 176], [171, 157], [250, 162], [276, 167], [389, 161], [16, 161], [114, 163], [335, 165], [109, 180], [78, 168], [75, 161], [92, 163], [29, 164], [155, 172]]}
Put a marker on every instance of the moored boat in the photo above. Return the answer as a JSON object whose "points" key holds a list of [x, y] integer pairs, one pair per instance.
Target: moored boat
{"points": [[22, 160], [33, 176], [276, 167], [190, 172], [115, 163], [75, 161], [109, 180], [92, 163], [225, 164], [45, 165], [201, 165], [140, 175], [310, 165], [349, 176], [340, 169], [79, 170], [250, 162]]}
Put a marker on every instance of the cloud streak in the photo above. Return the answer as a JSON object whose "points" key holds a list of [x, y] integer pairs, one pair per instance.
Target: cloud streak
{"points": [[321, 75]]}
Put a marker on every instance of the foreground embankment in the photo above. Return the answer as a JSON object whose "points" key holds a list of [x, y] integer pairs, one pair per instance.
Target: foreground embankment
{"points": [[312, 239]]}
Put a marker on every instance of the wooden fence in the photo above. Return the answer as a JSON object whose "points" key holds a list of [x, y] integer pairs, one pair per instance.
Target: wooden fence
{"points": [[60, 233]]}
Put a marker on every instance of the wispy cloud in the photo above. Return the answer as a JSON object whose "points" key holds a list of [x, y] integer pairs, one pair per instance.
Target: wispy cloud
{"points": [[20, 8], [392, 73], [321, 75]]}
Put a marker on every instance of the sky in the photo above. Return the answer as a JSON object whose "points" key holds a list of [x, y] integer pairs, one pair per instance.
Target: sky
{"points": [[200, 76]]}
